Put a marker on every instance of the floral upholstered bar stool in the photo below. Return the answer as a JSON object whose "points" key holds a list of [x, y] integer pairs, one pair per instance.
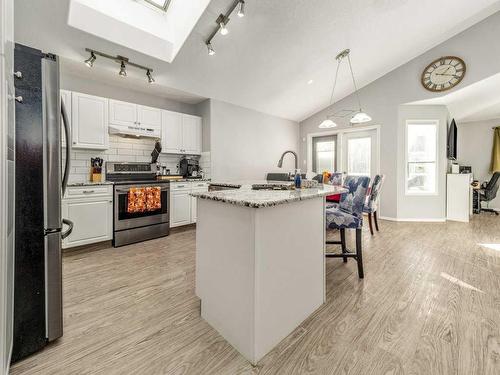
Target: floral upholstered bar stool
{"points": [[349, 215], [371, 205]]}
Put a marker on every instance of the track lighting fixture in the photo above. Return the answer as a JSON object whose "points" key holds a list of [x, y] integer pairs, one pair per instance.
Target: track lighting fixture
{"points": [[241, 10], [90, 61], [123, 61], [223, 28], [222, 22], [150, 77], [211, 50], [123, 70]]}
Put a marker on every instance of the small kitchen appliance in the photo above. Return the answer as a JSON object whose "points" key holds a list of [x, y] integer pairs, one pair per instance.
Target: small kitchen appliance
{"points": [[189, 168]]}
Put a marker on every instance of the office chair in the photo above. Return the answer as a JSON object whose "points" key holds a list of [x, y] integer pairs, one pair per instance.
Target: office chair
{"points": [[489, 191]]}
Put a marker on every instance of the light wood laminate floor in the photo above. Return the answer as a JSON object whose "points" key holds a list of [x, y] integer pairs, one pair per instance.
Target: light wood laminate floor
{"points": [[429, 304]]}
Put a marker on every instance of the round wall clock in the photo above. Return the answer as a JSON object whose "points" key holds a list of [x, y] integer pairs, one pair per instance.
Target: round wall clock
{"points": [[443, 73]]}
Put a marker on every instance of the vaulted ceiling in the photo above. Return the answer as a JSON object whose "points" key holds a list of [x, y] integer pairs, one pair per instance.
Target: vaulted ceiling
{"points": [[269, 58]]}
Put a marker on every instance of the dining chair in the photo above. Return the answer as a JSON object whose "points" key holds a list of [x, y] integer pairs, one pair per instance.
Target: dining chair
{"points": [[371, 204], [348, 214]]}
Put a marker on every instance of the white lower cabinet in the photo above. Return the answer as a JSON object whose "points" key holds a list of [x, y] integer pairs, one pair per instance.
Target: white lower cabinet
{"points": [[91, 211], [182, 204]]}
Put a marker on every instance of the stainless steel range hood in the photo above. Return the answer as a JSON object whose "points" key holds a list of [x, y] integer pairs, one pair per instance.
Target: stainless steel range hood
{"points": [[135, 131]]}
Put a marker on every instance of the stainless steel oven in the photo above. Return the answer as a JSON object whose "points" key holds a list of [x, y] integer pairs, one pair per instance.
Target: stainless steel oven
{"points": [[130, 227]]}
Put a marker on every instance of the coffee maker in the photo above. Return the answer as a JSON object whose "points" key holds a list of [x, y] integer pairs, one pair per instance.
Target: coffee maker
{"points": [[189, 168]]}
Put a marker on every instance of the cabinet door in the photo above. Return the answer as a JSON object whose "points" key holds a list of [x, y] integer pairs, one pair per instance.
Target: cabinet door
{"points": [[180, 208], [66, 99], [122, 113], [149, 117], [92, 218], [89, 121], [191, 134], [194, 202], [171, 133]]}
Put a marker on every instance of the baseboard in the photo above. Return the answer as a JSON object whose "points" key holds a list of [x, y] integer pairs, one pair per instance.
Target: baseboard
{"points": [[421, 220]]}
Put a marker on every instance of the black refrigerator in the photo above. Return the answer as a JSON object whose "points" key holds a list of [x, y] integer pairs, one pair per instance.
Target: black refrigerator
{"points": [[40, 181]]}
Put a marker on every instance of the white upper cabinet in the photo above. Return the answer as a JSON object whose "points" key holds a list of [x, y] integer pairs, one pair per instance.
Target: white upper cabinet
{"points": [[171, 132], [89, 121], [191, 134], [149, 117], [181, 133], [122, 113]]}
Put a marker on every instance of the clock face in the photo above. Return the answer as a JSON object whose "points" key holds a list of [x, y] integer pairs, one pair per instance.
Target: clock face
{"points": [[443, 73]]}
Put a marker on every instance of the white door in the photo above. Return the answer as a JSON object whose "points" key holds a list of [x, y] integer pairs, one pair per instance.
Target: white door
{"points": [[122, 113], [360, 153], [191, 134], [171, 132], [89, 121], [180, 208], [149, 117], [92, 218], [194, 200]]}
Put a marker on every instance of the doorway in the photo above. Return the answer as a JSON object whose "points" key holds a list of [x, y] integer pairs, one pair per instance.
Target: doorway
{"points": [[350, 151]]}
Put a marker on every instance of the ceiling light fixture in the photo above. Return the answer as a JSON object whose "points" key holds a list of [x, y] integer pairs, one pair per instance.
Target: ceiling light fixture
{"points": [[241, 10], [123, 69], [150, 76], [211, 50], [222, 21], [223, 28], [123, 61], [90, 61], [360, 117]]}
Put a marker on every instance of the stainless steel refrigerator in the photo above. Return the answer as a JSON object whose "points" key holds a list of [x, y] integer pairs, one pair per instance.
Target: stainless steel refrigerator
{"points": [[40, 181]]}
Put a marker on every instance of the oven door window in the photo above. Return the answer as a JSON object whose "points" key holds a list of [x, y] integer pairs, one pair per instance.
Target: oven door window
{"points": [[123, 204]]}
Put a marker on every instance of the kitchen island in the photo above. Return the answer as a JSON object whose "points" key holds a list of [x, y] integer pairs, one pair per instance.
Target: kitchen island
{"points": [[260, 265]]}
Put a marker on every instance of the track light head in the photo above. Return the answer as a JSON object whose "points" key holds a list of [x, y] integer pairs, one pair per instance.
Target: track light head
{"points": [[150, 76], [90, 61], [123, 70], [211, 50], [241, 10], [222, 26]]}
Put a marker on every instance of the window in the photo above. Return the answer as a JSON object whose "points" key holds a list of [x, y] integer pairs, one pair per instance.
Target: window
{"points": [[359, 152], [160, 4], [324, 154], [421, 157]]}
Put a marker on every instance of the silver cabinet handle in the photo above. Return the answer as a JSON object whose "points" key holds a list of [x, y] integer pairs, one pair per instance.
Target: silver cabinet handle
{"points": [[18, 75], [88, 191], [19, 99], [179, 186]]}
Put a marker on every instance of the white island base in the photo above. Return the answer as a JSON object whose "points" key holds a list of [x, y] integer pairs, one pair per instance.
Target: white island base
{"points": [[260, 272]]}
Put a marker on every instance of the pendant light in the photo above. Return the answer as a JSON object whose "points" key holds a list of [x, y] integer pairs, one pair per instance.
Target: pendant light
{"points": [[328, 123], [360, 117]]}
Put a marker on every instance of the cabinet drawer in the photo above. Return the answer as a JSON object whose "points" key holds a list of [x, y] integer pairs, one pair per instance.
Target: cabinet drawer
{"points": [[199, 185], [89, 191], [180, 186]]}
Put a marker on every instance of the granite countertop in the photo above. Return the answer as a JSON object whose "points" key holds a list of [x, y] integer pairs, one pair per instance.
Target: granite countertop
{"points": [[245, 196], [89, 183]]}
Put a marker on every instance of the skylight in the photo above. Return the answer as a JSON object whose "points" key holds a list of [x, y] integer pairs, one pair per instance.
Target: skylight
{"points": [[160, 4]]}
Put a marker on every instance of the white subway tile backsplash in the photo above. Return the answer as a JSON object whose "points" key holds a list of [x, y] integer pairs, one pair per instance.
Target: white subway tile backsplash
{"points": [[125, 150]]}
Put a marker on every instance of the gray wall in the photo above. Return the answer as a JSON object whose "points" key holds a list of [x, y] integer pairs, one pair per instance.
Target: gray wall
{"points": [[203, 110], [98, 88], [478, 46], [475, 142], [246, 144]]}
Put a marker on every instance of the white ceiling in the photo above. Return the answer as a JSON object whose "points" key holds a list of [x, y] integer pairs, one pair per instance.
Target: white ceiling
{"points": [[269, 56], [476, 102]]}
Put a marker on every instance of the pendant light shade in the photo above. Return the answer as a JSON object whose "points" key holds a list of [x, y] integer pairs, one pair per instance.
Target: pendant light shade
{"points": [[360, 118], [327, 124]]}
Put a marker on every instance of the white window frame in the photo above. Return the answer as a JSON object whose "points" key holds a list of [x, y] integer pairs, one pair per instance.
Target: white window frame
{"points": [[436, 157]]}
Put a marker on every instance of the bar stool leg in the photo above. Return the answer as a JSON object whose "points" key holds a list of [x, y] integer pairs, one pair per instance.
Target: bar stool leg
{"points": [[359, 253], [342, 242], [370, 223], [376, 220]]}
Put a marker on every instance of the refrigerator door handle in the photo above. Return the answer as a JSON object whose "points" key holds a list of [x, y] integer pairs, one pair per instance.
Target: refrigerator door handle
{"points": [[67, 134], [70, 224]]}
